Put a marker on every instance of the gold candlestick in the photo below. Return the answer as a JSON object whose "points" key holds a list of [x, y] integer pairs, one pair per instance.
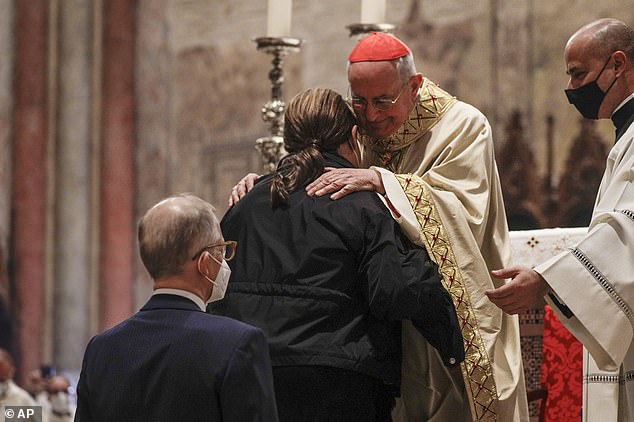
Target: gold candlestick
{"points": [[272, 147], [362, 29]]}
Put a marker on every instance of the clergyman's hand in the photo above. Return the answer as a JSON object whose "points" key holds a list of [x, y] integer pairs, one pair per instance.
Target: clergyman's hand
{"points": [[244, 185], [343, 181], [525, 291]]}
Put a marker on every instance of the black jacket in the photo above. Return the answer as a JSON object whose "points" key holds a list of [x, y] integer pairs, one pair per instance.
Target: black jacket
{"points": [[329, 281]]}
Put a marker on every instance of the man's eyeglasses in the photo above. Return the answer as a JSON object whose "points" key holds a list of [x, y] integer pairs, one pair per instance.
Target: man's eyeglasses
{"points": [[228, 249], [381, 104]]}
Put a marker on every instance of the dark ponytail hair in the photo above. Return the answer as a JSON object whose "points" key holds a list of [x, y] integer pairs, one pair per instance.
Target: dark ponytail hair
{"points": [[316, 120]]}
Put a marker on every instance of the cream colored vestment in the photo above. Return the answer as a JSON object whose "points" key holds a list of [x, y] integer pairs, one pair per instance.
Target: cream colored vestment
{"points": [[440, 175]]}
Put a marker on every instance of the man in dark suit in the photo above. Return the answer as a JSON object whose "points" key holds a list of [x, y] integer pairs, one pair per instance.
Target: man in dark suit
{"points": [[171, 361]]}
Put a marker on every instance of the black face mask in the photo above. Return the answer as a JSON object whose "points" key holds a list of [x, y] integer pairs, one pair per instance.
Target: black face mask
{"points": [[588, 98]]}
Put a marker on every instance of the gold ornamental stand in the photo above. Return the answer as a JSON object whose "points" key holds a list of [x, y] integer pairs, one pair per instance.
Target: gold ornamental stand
{"points": [[272, 147]]}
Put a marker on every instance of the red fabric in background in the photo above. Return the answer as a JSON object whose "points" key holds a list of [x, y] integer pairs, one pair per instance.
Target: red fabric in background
{"points": [[562, 370]]}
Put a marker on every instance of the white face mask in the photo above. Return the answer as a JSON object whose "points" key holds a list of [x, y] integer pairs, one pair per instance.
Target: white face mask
{"points": [[221, 281], [59, 402]]}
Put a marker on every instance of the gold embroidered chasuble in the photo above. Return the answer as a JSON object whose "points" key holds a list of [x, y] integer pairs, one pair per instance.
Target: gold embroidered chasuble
{"points": [[440, 174]]}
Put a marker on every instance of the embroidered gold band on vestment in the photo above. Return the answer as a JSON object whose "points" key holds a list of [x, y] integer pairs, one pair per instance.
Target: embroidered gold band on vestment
{"points": [[431, 104], [477, 369]]}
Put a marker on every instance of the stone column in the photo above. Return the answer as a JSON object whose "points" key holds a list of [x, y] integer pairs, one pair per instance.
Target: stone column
{"points": [[73, 218], [6, 108], [153, 76], [117, 164], [29, 182]]}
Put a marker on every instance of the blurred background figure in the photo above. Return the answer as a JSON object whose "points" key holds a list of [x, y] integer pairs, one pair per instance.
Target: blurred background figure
{"points": [[60, 408], [10, 393], [36, 387], [6, 330]]}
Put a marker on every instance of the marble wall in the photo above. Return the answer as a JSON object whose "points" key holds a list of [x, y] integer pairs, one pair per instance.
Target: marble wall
{"points": [[199, 85], [199, 58]]}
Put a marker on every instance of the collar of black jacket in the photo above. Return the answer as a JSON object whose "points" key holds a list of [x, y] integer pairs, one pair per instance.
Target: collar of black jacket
{"points": [[332, 159]]}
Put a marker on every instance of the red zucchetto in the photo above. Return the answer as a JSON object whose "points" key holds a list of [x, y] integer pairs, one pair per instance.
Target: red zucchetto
{"points": [[378, 47]]}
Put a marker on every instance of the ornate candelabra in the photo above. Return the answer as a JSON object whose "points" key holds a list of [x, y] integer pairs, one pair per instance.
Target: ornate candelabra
{"points": [[360, 29], [272, 147]]}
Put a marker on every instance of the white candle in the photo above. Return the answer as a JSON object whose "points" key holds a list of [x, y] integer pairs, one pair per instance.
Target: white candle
{"points": [[278, 23], [372, 11]]}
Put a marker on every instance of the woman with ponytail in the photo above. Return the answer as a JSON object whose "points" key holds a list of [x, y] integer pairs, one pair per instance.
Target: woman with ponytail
{"points": [[316, 121], [330, 281]]}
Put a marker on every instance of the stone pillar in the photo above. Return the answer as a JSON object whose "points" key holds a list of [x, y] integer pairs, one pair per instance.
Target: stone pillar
{"points": [[117, 164], [6, 123], [29, 182], [6, 108], [73, 218], [153, 76]]}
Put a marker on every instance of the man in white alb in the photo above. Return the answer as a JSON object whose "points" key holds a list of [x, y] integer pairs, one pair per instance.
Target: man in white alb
{"points": [[591, 286]]}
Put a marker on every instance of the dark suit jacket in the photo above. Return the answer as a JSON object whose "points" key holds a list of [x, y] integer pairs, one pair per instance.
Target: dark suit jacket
{"points": [[172, 362]]}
